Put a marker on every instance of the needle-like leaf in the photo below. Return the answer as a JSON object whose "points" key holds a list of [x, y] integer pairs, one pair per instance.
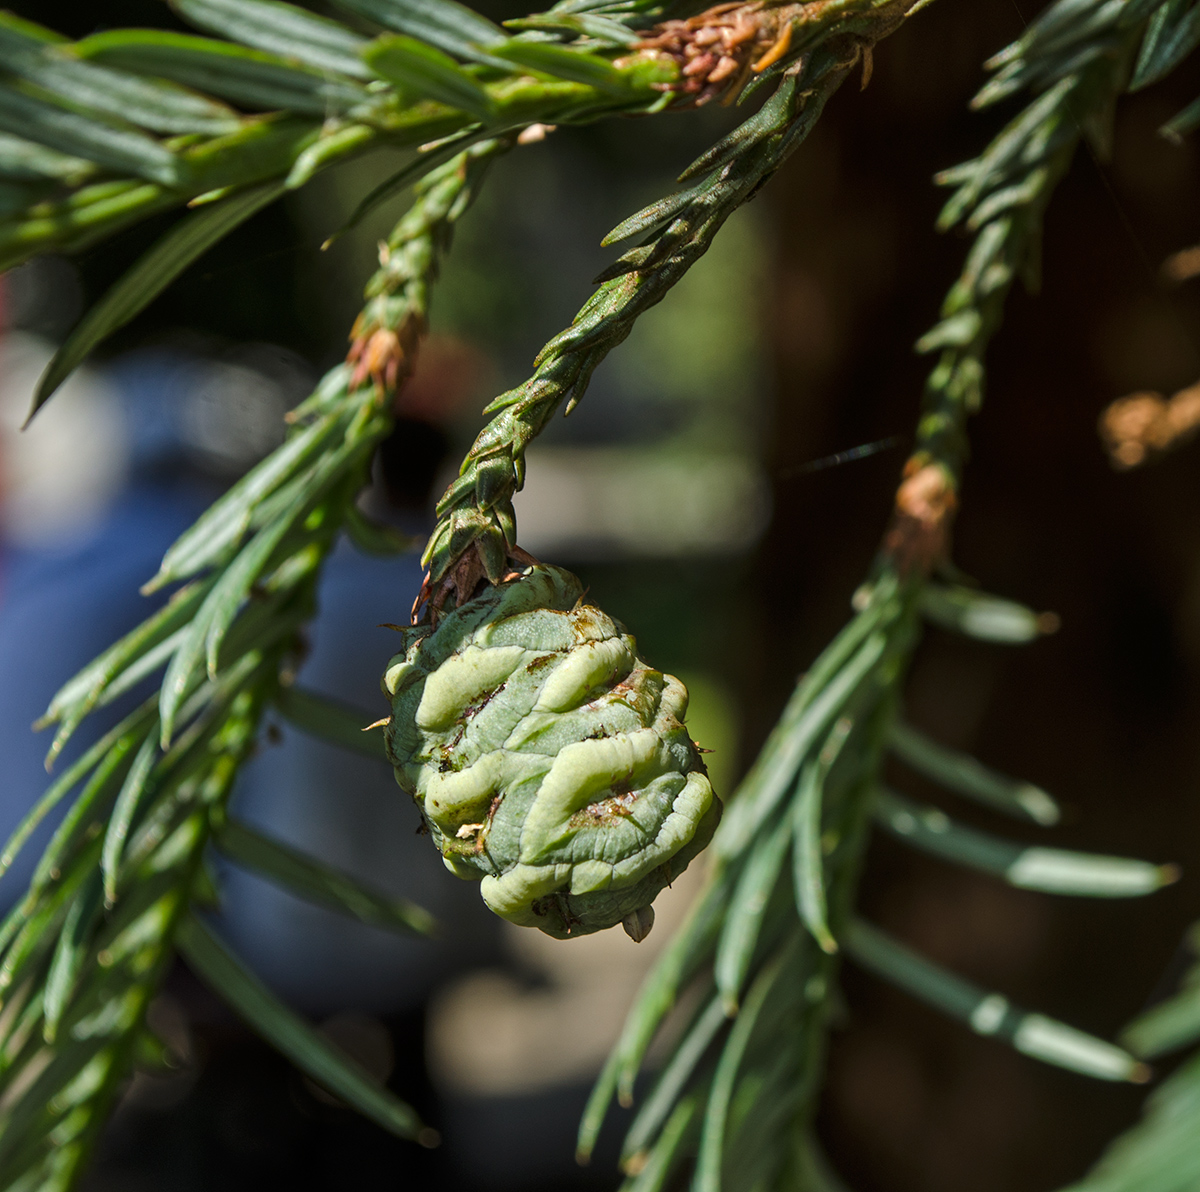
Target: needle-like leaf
{"points": [[992, 1014], [72, 133], [424, 71], [251, 77], [331, 720], [307, 1049], [1051, 870], [450, 26], [280, 29], [152, 273], [320, 883], [962, 774]]}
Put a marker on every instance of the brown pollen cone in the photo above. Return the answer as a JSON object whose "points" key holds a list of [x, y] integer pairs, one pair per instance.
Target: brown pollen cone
{"points": [[718, 49], [919, 536]]}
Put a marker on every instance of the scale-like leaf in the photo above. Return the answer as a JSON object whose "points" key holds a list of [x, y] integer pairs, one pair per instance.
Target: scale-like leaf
{"points": [[246, 76], [450, 26], [1028, 141], [1051, 870], [280, 29], [148, 277], [659, 212], [426, 161], [334, 142], [992, 1014], [745, 135], [284, 1029], [317, 882], [81, 136], [962, 774], [424, 71]]}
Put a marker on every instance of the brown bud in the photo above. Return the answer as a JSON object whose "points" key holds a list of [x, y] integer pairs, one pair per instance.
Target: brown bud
{"points": [[919, 536]]}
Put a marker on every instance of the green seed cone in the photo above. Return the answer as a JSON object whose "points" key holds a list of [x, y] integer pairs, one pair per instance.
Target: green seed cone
{"points": [[549, 761]]}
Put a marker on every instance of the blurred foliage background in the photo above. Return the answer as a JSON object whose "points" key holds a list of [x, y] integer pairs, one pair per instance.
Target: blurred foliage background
{"points": [[790, 342]]}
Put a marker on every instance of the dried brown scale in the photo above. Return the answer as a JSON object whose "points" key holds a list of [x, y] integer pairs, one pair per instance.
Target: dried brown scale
{"points": [[919, 536], [462, 582], [384, 356]]}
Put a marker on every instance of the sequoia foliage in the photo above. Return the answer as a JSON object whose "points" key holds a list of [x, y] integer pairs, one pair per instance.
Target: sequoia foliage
{"points": [[566, 777]]}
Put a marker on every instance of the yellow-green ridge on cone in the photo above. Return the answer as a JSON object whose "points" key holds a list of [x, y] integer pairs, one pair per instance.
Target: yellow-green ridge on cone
{"points": [[549, 761]]}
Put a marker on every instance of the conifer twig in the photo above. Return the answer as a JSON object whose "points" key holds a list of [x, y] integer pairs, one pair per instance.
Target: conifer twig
{"points": [[81, 180], [476, 530], [811, 790], [83, 952]]}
